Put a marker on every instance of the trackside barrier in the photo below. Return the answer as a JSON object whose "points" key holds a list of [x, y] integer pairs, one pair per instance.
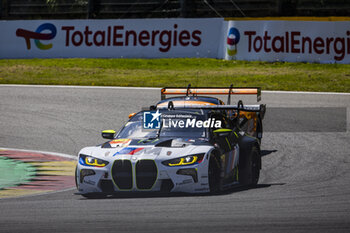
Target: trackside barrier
{"points": [[285, 40], [263, 40]]}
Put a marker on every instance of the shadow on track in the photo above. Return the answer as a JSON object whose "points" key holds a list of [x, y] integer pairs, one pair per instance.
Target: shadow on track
{"points": [[245, 188], [267, 152], [130, 195], [138, 195]]}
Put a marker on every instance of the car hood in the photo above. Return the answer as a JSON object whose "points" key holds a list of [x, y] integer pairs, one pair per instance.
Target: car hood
{"points": [[160, 148]]}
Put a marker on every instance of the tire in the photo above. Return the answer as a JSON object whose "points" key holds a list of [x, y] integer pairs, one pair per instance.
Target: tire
{"points": [[214, 175], [249, 168], [255, 166], [76, 178], [258, 130]]}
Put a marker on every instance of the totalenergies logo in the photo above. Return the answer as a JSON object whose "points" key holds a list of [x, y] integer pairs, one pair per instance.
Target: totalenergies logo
{"points": [[232, 41], [37, 35]]}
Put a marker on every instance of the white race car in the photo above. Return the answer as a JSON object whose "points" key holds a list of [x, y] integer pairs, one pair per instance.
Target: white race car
{"points": [[194, 147]]}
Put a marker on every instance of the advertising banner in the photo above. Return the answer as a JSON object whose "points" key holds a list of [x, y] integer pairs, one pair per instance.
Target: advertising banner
{"points": [[251, 40], [292, 41], [135, 38]]}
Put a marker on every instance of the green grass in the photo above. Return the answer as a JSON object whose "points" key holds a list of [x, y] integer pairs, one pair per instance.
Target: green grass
{"points": [[177, 72]]}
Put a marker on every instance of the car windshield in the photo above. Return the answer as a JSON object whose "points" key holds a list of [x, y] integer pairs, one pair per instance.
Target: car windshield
{"points": [[172, 123]]}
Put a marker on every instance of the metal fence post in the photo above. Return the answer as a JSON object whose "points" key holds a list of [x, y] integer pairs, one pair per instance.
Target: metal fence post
{"points": [[287, 7], [186, 8], [90, 9], [3, 9]]}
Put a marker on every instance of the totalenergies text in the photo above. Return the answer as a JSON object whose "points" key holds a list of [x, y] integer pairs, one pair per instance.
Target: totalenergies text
{"points": [[296, 42], [119, 36]]}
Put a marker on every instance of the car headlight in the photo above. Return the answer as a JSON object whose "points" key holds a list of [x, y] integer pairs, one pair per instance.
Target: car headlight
{"points": [[184, 161], [91, 161]]}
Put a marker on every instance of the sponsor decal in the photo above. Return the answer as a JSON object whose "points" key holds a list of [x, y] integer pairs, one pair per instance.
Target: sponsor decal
{"points": [[150, 151], [139, 151], [162, 39], [38, 35], [113, 35], [233, 38], [128, 151], [120, 142], [120, 36], [298, 43]]}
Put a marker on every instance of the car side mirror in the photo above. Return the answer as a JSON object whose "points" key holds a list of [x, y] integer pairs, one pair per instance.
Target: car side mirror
{"points": [[132, 114], [108, 134], [222, 132]]}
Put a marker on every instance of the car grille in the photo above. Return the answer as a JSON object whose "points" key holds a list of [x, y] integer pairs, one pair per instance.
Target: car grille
{"points": [[146, 174], [145, 170], [122, 174]]}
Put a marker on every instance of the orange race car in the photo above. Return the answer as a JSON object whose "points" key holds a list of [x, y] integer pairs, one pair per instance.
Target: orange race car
{"points": [[249, 121]]}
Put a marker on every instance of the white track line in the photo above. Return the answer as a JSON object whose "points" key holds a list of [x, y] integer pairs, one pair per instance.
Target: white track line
{"points": [[39, 194], [42, 152], [156, 88]]}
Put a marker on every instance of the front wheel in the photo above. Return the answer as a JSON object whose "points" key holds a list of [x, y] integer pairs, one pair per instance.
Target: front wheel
{"points": [[249, 169], [76, 177], [214, 174]]}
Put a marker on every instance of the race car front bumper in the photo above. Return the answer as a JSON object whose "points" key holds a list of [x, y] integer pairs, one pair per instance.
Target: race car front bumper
{"points": [[143, 175]]}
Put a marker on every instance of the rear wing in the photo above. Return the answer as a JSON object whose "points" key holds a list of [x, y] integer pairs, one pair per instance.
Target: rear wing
{"points": [[246, 108], [194, 91], [261, 109]]}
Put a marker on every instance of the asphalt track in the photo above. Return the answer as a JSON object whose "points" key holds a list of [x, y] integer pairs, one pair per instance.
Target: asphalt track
{"points": [[304, 185]]}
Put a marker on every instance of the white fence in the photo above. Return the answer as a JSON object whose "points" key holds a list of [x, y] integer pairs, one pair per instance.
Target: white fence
{"points": [[142, 38], [294, 41]]}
